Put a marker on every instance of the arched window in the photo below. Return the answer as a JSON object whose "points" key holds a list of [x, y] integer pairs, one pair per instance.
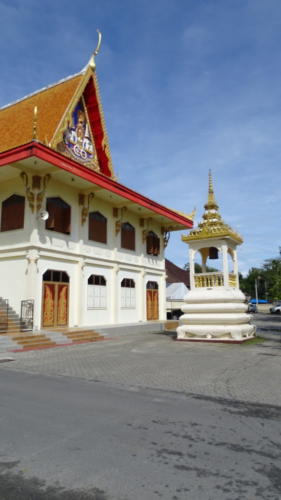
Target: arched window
{"points": [[96, 292], [128, 294], [152, 285], [97, 227], [12, 214], [152, 244], [127, 236], [96, 279], [59, 215], [58, 276]]}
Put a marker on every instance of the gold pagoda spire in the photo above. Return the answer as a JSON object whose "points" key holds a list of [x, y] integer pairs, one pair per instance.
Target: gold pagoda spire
{"points": [[211, 204], [212, 225]]}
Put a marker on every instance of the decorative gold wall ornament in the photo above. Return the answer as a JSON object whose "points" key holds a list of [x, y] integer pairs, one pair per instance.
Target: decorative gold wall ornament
{"points": [[34, 193], [85, 201], [29, 193], [118, 224], [144, 235], [40, 195], [122, 211]]}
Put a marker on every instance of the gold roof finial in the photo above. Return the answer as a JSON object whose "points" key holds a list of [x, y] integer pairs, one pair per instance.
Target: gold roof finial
{"points": [[212, 225], [92, 62], [211, 204], [34, 131], [211, 189]]}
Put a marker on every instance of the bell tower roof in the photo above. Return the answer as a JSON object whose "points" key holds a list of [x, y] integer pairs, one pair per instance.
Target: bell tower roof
{"points": [[212, 224]]}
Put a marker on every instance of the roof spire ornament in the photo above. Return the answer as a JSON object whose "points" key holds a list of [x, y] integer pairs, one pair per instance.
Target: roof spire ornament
{"points": [[212, 224], [34, 124], [92, 62], [211, 204]]}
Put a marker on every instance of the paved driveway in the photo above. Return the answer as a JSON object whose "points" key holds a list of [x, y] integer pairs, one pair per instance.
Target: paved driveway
{"points": [[142, 417], [241, 372]]}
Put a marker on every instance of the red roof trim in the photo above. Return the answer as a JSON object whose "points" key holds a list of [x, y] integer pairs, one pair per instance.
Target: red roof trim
{"points": [[46, 154]]}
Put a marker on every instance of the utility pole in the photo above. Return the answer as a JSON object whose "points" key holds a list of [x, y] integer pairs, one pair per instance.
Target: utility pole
{"points": [[256, 290]]}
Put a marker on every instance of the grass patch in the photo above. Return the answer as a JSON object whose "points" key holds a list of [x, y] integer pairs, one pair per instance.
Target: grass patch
{"points": [[255, 340]]}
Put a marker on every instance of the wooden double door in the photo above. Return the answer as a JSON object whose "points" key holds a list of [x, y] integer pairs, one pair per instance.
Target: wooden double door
{"points": [[152, 301], [55, 300]]}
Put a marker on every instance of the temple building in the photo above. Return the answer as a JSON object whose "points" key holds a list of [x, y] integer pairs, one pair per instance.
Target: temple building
{"points": [[77, 248]]}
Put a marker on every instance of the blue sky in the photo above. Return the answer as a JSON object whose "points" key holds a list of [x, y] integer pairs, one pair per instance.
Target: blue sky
{"points": [[186, 85]]}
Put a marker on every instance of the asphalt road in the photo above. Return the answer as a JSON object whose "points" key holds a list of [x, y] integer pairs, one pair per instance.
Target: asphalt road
{"points": [[66, 438]]}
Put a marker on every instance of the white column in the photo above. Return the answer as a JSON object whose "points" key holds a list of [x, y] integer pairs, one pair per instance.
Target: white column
{"points": [[235, 267], [80, 294], [143, 295], [162, 297], [115, 294], [191, 268], [225, 265], [32, 285]]}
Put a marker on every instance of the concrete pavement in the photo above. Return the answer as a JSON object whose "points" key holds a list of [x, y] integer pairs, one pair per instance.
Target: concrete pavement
{"points": [[142, 417], [66, 438]]}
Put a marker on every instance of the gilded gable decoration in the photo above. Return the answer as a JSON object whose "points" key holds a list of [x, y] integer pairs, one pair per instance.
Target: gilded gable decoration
{"points": [[67, 117], [77, 141]]}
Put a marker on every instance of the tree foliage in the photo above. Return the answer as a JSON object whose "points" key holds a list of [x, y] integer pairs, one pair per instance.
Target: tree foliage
{"points": [[267, 279], [198, 268]]}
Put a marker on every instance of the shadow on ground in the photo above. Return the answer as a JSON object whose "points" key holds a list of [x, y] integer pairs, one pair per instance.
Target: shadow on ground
{"points": [[14, 485]]}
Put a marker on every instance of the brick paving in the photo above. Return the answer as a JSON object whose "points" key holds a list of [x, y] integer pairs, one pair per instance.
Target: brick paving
{"points": [[146, 360]]}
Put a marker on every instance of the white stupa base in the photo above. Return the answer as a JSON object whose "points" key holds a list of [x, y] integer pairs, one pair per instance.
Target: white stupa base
{"points": [[216, 332], [216, 314]]}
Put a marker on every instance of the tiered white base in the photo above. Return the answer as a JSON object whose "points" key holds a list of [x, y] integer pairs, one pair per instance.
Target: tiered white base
{"points": [[215, 314]]}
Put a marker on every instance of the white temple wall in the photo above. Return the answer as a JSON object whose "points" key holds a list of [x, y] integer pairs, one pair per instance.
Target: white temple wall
{"points": [[129, 313], [13, 281], [30, 251], [102, 313]]}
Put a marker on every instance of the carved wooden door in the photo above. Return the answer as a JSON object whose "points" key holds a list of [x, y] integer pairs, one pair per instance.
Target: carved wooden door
{"points": [[55, 304], [152, 304]]}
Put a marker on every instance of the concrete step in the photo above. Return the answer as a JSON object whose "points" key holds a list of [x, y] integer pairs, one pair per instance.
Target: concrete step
{"points": [[85, 335], [29, 336], [33, 340], [36, 343], [11, 331]]}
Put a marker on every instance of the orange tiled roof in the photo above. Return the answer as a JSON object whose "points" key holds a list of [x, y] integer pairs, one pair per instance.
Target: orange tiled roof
{"points": [[16, 121]]}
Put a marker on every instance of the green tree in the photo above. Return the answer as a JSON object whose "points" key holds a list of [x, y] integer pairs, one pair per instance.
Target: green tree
{"points": [[267, 278], [272, 275], [198, 268]]}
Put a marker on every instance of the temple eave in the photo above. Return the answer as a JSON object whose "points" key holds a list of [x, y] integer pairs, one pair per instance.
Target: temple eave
{"points": [[206, 236]]}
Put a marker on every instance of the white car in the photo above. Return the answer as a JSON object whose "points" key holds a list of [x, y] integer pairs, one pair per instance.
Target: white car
{"points": [[276, 309]]}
